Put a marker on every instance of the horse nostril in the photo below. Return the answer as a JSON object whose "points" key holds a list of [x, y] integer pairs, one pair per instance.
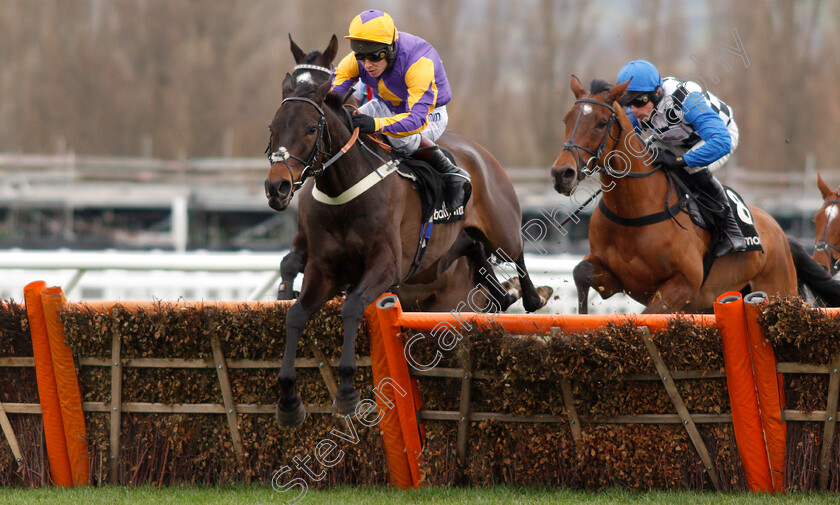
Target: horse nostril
{"points": [[277, 189], [568, 175], [284, 188], [563, 175]]}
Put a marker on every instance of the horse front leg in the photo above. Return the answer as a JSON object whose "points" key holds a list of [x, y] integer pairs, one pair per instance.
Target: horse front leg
{"points": [[672, 296], [583, 274], [592, 273], [378, 277], [314, 294], [291, 265]]}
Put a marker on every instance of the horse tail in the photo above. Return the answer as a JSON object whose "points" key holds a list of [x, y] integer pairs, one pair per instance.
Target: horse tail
{"points": [[812, 274]]}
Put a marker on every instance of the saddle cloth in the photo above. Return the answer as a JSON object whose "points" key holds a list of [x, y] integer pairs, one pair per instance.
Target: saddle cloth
{"points": [[429, 182], [698, 209]]}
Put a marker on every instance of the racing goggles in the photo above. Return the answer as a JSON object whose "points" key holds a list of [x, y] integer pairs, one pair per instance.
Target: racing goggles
{"points": [[374, 56]]}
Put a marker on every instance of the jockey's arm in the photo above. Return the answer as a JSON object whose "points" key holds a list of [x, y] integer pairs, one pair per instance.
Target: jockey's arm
{"points": [[711, 128], [346, 74], [422, 97]]}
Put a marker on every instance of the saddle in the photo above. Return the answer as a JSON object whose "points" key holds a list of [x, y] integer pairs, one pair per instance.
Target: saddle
{"points": [[701, 209], [430, 184]]}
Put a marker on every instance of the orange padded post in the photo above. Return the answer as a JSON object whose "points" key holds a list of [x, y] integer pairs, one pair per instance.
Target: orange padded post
{"points": [[67, 382], [400, 432], [47, 389], [771, 394], [746, 419]]}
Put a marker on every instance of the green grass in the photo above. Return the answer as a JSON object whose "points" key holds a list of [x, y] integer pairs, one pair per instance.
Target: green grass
{"points": [[245, 495]]}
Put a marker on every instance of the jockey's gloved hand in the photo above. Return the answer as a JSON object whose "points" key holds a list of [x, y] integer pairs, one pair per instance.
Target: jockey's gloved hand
{"points": [[364, 123], [668, 160]]}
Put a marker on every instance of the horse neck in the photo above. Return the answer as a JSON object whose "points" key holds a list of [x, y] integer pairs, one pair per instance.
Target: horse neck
{"points": [[632, 196], [349, 169]]}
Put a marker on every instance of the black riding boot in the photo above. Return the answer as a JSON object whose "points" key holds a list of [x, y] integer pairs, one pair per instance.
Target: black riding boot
{"points": [[457, 182], [725, 219]]}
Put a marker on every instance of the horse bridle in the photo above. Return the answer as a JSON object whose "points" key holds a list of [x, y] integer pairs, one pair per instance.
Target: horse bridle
{"points": [[825, 247], [571, 146], [282, 154], [308, 66]]}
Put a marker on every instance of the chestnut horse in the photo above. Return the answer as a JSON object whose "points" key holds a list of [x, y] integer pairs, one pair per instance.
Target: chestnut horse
{"points": [[365, 235], [660, 265], [827, 225], [448, 291]]}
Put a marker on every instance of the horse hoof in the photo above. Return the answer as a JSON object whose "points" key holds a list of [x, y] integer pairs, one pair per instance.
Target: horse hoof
{"points": [[346, 404], [291, 419], [513, 287], [545, 293]]}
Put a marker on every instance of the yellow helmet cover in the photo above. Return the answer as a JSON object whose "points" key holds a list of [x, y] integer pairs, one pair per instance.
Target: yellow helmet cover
{"points": [[373, 26]]}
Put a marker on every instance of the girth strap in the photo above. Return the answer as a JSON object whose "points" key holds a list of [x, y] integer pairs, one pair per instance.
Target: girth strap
{"points": [[658, 217]]}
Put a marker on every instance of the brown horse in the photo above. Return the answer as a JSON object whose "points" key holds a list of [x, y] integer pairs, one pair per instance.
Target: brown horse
{"points": [[448, 291], [366, 238], [661, 264], [827, 225]]}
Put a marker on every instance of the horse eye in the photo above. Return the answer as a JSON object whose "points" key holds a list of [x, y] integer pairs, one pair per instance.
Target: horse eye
{"points": [[312, 130], [602, 123]]}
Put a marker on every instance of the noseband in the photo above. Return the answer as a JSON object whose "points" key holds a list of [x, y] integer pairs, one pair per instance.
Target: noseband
{"points": [[583, 168], [828, 249], [282, 154]]}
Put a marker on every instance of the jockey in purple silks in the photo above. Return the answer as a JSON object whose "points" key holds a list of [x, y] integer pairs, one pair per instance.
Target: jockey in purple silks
{"points": [[410, 93]]}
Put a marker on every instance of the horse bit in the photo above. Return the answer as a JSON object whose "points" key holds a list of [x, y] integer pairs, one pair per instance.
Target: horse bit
{"points": [[825, 247]]}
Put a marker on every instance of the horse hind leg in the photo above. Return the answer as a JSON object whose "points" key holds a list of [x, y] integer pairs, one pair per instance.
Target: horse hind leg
{"points": [[290, 266], [532, 298], [505, 294]]}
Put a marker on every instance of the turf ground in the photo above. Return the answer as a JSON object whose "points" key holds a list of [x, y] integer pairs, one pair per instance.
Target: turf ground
{"points": [[245, 495]]}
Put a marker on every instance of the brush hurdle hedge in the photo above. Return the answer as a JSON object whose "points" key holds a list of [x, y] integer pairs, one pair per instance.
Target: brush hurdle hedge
{"points": [[196, 395]]}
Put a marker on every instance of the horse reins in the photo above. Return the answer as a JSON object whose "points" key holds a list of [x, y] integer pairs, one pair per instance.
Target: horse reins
{"points": [[282, 154], [575, 148], [377, 174], [827, 248]]}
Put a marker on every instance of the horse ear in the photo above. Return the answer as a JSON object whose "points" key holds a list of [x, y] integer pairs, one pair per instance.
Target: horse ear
{"points": [[296, 51], [825, 191], [322, 91], [331, 50], [577, 89], [288, 86], [618, 91]]}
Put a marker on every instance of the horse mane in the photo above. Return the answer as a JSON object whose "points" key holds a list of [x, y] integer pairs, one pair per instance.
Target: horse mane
{"points": [[307, 89], [599, 86], [333, 101]]}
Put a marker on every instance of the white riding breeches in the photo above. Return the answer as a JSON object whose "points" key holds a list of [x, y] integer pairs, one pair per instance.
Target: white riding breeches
{"points": [[405, 146]]}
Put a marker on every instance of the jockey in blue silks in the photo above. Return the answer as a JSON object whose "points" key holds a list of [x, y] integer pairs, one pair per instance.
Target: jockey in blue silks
{"points": [[690, 128]]}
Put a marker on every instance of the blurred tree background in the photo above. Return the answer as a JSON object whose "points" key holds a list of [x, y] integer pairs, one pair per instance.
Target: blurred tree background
{"points": [[194, 78]]}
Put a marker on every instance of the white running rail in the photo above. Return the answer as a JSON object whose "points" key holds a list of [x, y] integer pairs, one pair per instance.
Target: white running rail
{"points": [[163, 275]]}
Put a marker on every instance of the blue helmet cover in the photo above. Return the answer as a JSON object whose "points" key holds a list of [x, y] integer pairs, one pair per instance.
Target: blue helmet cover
{"points": [[643, 74]]}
